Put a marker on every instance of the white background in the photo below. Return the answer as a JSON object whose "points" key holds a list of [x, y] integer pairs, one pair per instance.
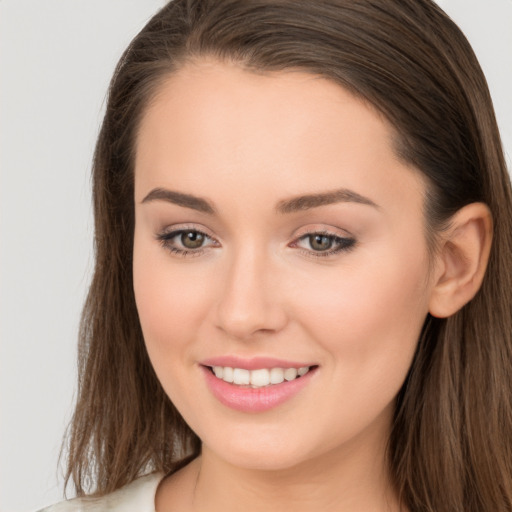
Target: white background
{"points": [[56, 58]]}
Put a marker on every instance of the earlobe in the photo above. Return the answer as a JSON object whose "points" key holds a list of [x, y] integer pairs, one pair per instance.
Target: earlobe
{"points": [[461, 260]]}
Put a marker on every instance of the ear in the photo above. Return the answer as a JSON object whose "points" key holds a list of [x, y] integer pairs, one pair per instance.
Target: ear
{"points": [[461, 260]]}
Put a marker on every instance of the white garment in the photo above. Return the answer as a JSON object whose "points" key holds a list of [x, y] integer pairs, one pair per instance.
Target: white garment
{"points": [[138, 496]]}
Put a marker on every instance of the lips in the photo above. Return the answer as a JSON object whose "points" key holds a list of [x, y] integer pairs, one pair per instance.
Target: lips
{"points": [[255, 385]]}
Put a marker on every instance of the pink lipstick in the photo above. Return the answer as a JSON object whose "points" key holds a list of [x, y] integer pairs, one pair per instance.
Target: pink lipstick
{"points": [[255, 385]]}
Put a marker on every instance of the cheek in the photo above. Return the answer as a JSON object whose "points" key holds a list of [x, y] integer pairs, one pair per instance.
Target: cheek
{"points": [[369, 313], [170, 301]]}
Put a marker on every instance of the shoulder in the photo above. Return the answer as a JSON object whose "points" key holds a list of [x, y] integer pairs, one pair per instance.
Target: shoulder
{"points": [[138, 496]]}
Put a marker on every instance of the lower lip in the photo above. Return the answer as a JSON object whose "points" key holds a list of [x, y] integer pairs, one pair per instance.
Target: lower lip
{"points": [[246, 399]]}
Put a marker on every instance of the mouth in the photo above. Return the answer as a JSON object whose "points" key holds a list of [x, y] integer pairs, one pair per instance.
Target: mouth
{"points": [[262, 385], [259, 377]]}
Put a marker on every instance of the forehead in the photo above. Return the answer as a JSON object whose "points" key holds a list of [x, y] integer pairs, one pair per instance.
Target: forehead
{"points": [[288, 132], [292, 102]]}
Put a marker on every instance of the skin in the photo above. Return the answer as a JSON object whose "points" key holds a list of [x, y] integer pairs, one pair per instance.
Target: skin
{"points": [[247, 142]]}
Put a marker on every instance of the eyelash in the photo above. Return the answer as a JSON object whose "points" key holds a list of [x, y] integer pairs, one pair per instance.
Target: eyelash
{"points": [[166, 239], [343, 244]]}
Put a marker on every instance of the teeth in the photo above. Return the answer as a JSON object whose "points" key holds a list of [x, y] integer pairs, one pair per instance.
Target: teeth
{"points": [[302, 371], [241, 376], [290, 373], [227, 374], [258, 378], [276, 376]]}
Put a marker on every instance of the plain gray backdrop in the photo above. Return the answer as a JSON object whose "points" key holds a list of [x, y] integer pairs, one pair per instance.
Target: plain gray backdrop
{"points": [[56, 58]]}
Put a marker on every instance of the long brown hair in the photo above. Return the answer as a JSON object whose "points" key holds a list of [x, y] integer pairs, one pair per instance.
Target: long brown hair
{"points": [[451, 444]]}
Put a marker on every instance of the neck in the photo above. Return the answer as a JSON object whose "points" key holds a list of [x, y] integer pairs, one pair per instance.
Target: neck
{"points": [[350, 478]]}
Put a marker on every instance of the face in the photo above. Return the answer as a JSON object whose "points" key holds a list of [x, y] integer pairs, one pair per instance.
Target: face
{"points": [[277, 237]]}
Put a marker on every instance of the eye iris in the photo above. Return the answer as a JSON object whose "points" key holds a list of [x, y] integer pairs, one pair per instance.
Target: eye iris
{"points": [[192, 239], [320, 242]]}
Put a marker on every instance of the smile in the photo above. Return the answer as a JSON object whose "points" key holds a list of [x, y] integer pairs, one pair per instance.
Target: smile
{"points": [[258, 378], [262, 385]]}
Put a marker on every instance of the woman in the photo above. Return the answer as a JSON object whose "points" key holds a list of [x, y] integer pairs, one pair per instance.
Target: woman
{"points": [[302, 293]]}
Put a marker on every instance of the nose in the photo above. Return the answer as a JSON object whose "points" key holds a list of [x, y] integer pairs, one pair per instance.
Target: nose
{"points": [[251, 302]]}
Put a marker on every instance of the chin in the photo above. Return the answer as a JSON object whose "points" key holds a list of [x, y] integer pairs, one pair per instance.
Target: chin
{"points": [[265, 449], [258, 458]]}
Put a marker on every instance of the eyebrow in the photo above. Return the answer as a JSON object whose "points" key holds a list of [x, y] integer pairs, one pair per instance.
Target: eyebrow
{"points": [[295, 204], [309, 201], [180, 199]]}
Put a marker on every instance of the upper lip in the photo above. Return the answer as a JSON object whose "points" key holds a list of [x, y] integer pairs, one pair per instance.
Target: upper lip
{"points": [[253, 363]]}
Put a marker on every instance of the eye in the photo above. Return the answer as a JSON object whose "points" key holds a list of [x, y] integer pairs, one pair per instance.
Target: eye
{"points": [[320, 242], [185, 242], [192, 239], [324, 244]]}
